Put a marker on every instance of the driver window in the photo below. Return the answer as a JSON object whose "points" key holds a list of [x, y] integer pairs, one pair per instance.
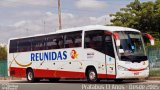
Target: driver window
{"points": [[94, 40], [99, 41], [108, 46]]}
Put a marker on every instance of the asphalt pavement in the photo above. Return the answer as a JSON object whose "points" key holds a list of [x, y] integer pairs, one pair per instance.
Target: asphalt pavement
{"points": [[80, 85]]}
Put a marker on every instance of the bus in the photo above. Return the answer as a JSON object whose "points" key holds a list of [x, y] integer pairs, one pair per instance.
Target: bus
{"points": [[92, 52]]}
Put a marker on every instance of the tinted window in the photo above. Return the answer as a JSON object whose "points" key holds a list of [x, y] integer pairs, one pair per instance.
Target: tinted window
{"points": [[24, 45], [94, 40], [73, 39], [54, 41], [38, 43], [99, 41], [108, 46], [13, 46]]}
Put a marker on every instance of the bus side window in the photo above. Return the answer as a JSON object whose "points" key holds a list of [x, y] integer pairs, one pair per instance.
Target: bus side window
{"points": [[51, 44], [87, 40], [60, 43], [69, 40], [78, 42], [99, 41], [93, 39], [24, 45], [78, 39], [69, 43], [38, 43], [54, 41], [13, 46], [92, 43], [73, 39]]}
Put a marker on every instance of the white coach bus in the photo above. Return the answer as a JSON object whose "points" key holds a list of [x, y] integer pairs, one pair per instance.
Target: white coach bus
{"points": [[94, 52]]}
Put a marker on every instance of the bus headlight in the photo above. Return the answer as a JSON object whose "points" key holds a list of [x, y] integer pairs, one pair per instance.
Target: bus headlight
{"points": [[122, 68]]}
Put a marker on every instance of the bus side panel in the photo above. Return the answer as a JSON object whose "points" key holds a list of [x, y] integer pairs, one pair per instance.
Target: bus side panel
{"points": [[73, 66], [43, 73], [17, 72], [58, 74], [96, 59]]}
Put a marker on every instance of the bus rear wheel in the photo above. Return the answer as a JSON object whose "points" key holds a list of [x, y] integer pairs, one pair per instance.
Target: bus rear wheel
{"points": [[92, 76], [30, 76]]}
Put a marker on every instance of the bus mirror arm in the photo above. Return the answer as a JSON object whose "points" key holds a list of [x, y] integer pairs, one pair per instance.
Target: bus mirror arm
{"points": [[152, 42], [151, 39], [118, 43]]}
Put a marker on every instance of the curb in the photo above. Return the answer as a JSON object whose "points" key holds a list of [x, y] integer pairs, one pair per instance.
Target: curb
{"points": [[10, 78], [153, 78]]}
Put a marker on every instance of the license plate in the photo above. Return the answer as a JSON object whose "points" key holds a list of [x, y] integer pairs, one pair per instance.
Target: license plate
{"points": [[136, 73]]}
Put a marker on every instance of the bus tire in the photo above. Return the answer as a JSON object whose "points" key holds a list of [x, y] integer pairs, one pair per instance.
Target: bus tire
{"points": [[54, 79], [92, 75], [30, 76]]}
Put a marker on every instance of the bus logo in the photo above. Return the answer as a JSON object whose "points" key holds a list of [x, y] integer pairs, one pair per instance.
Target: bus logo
{"points": [[74, 54]]}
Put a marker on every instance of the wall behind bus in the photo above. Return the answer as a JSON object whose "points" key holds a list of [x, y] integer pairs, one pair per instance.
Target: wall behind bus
{"points": [[154, 57], [3, 68]]}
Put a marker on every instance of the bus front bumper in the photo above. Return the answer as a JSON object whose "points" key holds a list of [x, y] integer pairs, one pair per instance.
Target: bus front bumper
{"points": [[132, 74]]}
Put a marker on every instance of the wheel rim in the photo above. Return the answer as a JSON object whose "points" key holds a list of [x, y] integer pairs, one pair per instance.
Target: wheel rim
{"points": [[30, 76], [92, 75]]}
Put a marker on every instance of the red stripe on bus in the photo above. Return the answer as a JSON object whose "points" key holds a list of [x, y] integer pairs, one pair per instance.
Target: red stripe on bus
{"points": [[58, 74], [136, 69], [109, 76], [44, 73], [17, 72]]}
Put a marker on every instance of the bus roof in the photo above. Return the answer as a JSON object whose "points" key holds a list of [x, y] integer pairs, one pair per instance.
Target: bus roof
{"points": [[98, 27], [86, 28]]}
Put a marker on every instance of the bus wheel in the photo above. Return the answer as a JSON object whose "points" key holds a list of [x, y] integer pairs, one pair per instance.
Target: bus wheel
{"points": [[30, 76], [54, 79], [92, 76]]}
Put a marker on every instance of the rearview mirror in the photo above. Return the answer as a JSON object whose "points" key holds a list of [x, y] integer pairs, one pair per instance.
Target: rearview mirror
{"points": [[151, 39]]}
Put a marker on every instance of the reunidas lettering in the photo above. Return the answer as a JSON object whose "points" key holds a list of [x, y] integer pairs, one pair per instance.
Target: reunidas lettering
{"points": [[49, 56]]}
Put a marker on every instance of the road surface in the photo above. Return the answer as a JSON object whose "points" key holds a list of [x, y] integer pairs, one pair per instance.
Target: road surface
{"points": [[80, 85]]}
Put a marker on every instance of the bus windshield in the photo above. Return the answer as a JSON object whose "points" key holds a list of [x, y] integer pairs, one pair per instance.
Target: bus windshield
{"points": [[131, 47]]}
